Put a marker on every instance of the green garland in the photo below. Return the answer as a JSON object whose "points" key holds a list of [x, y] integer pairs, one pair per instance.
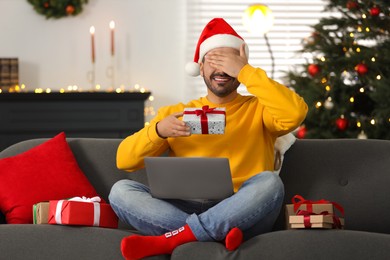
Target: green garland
{"points": [[58, 8]]}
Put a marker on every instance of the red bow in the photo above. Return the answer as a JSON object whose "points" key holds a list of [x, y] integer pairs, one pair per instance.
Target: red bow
{"points": [[306, 218], [310, 203], [203, 116]]}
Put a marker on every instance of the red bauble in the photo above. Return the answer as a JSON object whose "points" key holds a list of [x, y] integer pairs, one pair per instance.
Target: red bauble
{"points": [[69, 9], [46, 5], [352, 5], [361, 68], [313, 69], [301, 132], [375, 11], [342, 123]]}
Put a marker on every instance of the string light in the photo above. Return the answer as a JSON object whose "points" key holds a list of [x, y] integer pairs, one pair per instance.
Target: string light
{"points": [[361, 90], [372, 121], [358, 124], [327, 88], [378, 77], [373, 59], [318, 104], [351, 99], [364, 16], [357, 49], [367, 29]]}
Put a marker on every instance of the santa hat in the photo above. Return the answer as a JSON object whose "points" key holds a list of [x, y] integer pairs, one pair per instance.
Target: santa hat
{"points": [[217, 33]]}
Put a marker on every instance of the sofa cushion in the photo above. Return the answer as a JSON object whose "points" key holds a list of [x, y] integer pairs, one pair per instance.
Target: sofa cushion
{"points": [[295, 244], [48, 171]]}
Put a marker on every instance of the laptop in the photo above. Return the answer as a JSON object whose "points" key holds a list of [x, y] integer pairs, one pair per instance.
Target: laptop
{"points": [[189, 178]]}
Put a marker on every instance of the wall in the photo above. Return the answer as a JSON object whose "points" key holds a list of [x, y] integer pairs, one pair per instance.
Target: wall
{"points": [[149, 40]]}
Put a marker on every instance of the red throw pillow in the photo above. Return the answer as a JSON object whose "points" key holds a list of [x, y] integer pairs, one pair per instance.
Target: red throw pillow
{"points": [[48, 171]]}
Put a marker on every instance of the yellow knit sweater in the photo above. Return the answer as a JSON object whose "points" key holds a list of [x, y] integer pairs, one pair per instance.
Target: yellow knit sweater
{"points": [[252, 125]]}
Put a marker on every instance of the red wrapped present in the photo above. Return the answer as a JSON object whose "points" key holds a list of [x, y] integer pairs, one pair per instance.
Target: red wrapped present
{"points": [[205, 120], [83, 212]]}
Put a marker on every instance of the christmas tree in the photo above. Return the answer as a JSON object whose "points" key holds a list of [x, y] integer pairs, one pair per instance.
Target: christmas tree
{"points": [[346, 81]]}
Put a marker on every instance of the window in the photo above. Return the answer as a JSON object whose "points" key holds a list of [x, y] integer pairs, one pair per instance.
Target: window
{"points": [[292, 24]]}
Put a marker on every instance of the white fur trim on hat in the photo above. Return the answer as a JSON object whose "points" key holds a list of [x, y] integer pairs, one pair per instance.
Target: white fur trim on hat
{"points": [[219, 41]]}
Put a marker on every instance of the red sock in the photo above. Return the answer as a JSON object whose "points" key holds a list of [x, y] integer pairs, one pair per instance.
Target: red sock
{"points": [[233, 239], [137, 247]]}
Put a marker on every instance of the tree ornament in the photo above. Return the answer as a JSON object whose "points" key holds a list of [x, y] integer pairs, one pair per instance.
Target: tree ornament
{"points": [[362, 135], [301, 132], [375, 11], [328, 104], [70, 9], [58, 8], [313, 69], [361, 68], [351, 5], [342, 123]]}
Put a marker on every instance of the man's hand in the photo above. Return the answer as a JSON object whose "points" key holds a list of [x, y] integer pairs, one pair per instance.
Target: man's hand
{"points": [[228, 61], [171, 126]]}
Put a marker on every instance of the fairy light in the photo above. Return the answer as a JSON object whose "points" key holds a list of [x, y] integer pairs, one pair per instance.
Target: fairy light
{"points": [[318, 104], [359, 29], [323, 59], [373, 59], [323, 80], [351, 99], [361, 90], [327, 88], [372, 121], [378, 77], [351, 35], [151, 98], [364, 16], [357, 49], [358, 124], [367, 29]]}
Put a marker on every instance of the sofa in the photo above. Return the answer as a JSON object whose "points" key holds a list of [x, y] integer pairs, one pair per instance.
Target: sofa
{"points": [[354, 173]]}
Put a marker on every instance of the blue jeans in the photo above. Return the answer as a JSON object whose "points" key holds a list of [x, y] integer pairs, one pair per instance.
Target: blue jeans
{"points": [[256, 204]]}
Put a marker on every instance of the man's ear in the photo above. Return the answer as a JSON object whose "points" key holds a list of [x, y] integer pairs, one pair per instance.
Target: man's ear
{"points": [[201, 64]]}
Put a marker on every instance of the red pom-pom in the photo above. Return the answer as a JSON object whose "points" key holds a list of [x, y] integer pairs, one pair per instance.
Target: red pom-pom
{"points": [[361, 68], [342, 123], [313, 69]]}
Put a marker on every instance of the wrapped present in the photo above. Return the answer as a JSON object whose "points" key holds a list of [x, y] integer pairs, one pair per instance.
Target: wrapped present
{"points": [[82, 211], [205, 120], [316, 221], [301, 206], [41, 213]]}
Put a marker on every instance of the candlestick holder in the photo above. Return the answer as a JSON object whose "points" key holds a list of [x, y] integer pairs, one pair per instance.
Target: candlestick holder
{"points": [[91, 77], [110, 72]]}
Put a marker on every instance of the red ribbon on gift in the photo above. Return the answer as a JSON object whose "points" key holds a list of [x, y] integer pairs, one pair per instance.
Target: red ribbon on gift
{"points": [[203, 116], [306, 218], [298, 200]]}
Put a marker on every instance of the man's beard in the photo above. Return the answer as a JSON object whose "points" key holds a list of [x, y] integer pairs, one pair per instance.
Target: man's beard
{"points": [[225, 89]]}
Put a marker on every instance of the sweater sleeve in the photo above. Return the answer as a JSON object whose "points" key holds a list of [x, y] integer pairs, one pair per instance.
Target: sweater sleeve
{"points": [[284, 109], [146, 142]]}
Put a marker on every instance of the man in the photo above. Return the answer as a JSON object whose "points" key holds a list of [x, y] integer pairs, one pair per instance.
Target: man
{"points": [[252, 125]]}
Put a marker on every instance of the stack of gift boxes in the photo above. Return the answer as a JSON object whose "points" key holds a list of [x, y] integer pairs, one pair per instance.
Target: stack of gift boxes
{"points": [[322, 213], [78, 211]]}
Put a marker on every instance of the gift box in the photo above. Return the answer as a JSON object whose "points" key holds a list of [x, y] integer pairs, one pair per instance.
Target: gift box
{"points": [[84, 212], [316, 221], [41, 213], [301, 207], [205, 120]]}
